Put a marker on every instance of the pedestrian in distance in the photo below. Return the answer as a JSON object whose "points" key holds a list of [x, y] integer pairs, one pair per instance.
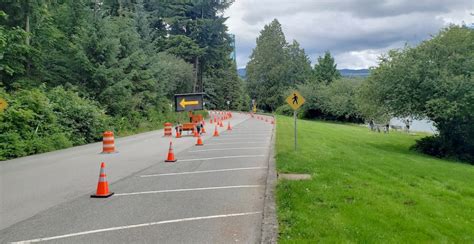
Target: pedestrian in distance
{"points": [[198, 127]]}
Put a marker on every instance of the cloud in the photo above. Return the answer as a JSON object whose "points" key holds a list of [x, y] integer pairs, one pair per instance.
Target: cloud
{"points": [[356, 32]]}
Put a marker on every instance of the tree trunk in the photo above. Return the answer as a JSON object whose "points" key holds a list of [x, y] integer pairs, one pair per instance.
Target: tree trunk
{"points": [[28, 38], [27, 28], [196, 72]]}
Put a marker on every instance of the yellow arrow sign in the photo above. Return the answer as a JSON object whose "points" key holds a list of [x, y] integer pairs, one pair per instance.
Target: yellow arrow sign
{"points": [[3, 104], [185, 103]]}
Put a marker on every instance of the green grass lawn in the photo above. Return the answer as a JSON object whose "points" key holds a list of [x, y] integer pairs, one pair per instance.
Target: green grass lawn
{"points": [[369, 188]]}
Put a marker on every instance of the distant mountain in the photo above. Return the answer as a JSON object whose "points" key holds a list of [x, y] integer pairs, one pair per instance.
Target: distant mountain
{"points": [[242, 72], [354, 72], [344, 72]]}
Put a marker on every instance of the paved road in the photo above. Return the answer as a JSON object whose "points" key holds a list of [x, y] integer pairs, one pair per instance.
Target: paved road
{"points": [[214, 193]]}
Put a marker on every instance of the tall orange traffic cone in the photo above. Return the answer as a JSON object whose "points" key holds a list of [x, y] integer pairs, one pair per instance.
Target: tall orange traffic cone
{"points": [[199, 142], [103, 185], [171, 157], [108, 142], [228, 126], [216, 133]]}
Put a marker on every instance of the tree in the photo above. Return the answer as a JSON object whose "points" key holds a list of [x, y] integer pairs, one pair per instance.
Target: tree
{"points": [[267, 69], [433, 80], [326, 69], [299, 70]]}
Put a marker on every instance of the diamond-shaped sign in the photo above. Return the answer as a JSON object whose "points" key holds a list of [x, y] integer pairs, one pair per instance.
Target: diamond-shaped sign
{"points": [[295, 100], [3, 104]]}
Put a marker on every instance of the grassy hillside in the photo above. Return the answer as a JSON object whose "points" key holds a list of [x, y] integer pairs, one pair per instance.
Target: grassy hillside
{"points": [[369, 187]]}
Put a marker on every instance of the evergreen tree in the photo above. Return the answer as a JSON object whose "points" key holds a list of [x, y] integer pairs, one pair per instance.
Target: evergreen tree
{"points": [[326, 69], [299, 70], [267, 70]]}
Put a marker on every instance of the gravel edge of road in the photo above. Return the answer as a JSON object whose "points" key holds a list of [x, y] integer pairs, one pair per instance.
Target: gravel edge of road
{"points": [[270, 222]]}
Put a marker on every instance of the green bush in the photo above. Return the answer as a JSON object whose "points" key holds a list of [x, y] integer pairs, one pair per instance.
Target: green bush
{"points": [[27, 124], [38, 121], [284, 110], [81, 118]]}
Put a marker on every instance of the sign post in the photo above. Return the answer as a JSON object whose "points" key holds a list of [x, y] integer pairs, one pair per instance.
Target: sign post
{"points": [[295, 100]]}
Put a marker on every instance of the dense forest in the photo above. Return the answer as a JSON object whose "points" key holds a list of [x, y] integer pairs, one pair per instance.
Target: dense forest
{"points": [[69, 69]]}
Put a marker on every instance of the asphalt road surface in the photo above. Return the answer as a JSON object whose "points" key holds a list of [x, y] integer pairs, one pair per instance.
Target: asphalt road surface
{"points": [[213, 194]]}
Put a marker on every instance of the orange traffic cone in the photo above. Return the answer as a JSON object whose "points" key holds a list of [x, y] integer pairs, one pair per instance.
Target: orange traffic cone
{"points": [[178, 135], [215, 119], [221, 124], [195, 131], [210, 121], [170, 157], [203, 130], [216, 133], [228, 126], [199, 142], [102, 186]]}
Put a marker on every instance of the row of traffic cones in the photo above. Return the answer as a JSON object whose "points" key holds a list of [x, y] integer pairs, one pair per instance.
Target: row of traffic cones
{"points": [[103, 185]]}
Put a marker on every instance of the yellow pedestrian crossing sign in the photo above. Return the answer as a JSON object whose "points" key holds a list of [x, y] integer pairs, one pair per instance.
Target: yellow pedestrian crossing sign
{"points": [[3, 104], [295, 100]]}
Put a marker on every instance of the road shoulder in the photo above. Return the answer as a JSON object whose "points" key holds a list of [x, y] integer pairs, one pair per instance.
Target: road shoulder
{"points": [[270, 222]]}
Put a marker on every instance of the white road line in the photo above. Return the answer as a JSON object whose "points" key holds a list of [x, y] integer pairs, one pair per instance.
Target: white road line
{"points": [[241, 139], [232, 143], [136, 226], [224, 157], [188, 189], [223, 149], [202, 171], [246, 134]]}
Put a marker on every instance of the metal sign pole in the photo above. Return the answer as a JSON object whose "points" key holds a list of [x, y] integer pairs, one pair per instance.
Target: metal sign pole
{"points": [[294, 116]]}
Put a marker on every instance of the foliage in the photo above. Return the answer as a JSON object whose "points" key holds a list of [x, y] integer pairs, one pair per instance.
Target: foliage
{"points": [[284, 110], [34, 124], [326, 70], [433, 80], [333, 101], [12, 49], [267, 70], [107, 64], [368, 188]]}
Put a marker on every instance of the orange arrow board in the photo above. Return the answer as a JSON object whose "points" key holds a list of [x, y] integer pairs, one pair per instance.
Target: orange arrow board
{"points": [[185, 103], [3, 104]]}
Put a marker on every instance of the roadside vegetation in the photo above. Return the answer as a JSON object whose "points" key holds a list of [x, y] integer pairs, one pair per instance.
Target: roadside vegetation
{"points": [[368, 188], [71, 69], [433, 80]]}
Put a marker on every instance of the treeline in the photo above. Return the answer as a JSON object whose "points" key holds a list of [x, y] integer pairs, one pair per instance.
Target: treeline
{"points": [[71, 68], [433, 80], [276, 67]]}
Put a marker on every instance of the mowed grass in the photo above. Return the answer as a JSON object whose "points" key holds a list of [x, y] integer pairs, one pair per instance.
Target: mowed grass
{"points": [[369, 188]]}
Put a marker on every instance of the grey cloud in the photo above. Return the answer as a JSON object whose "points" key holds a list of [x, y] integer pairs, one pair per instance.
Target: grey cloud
{"points": [[257, 10], [354, 31]]}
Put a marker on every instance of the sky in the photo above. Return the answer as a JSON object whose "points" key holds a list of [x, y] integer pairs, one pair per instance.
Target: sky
{"points": [[356, 32]]}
